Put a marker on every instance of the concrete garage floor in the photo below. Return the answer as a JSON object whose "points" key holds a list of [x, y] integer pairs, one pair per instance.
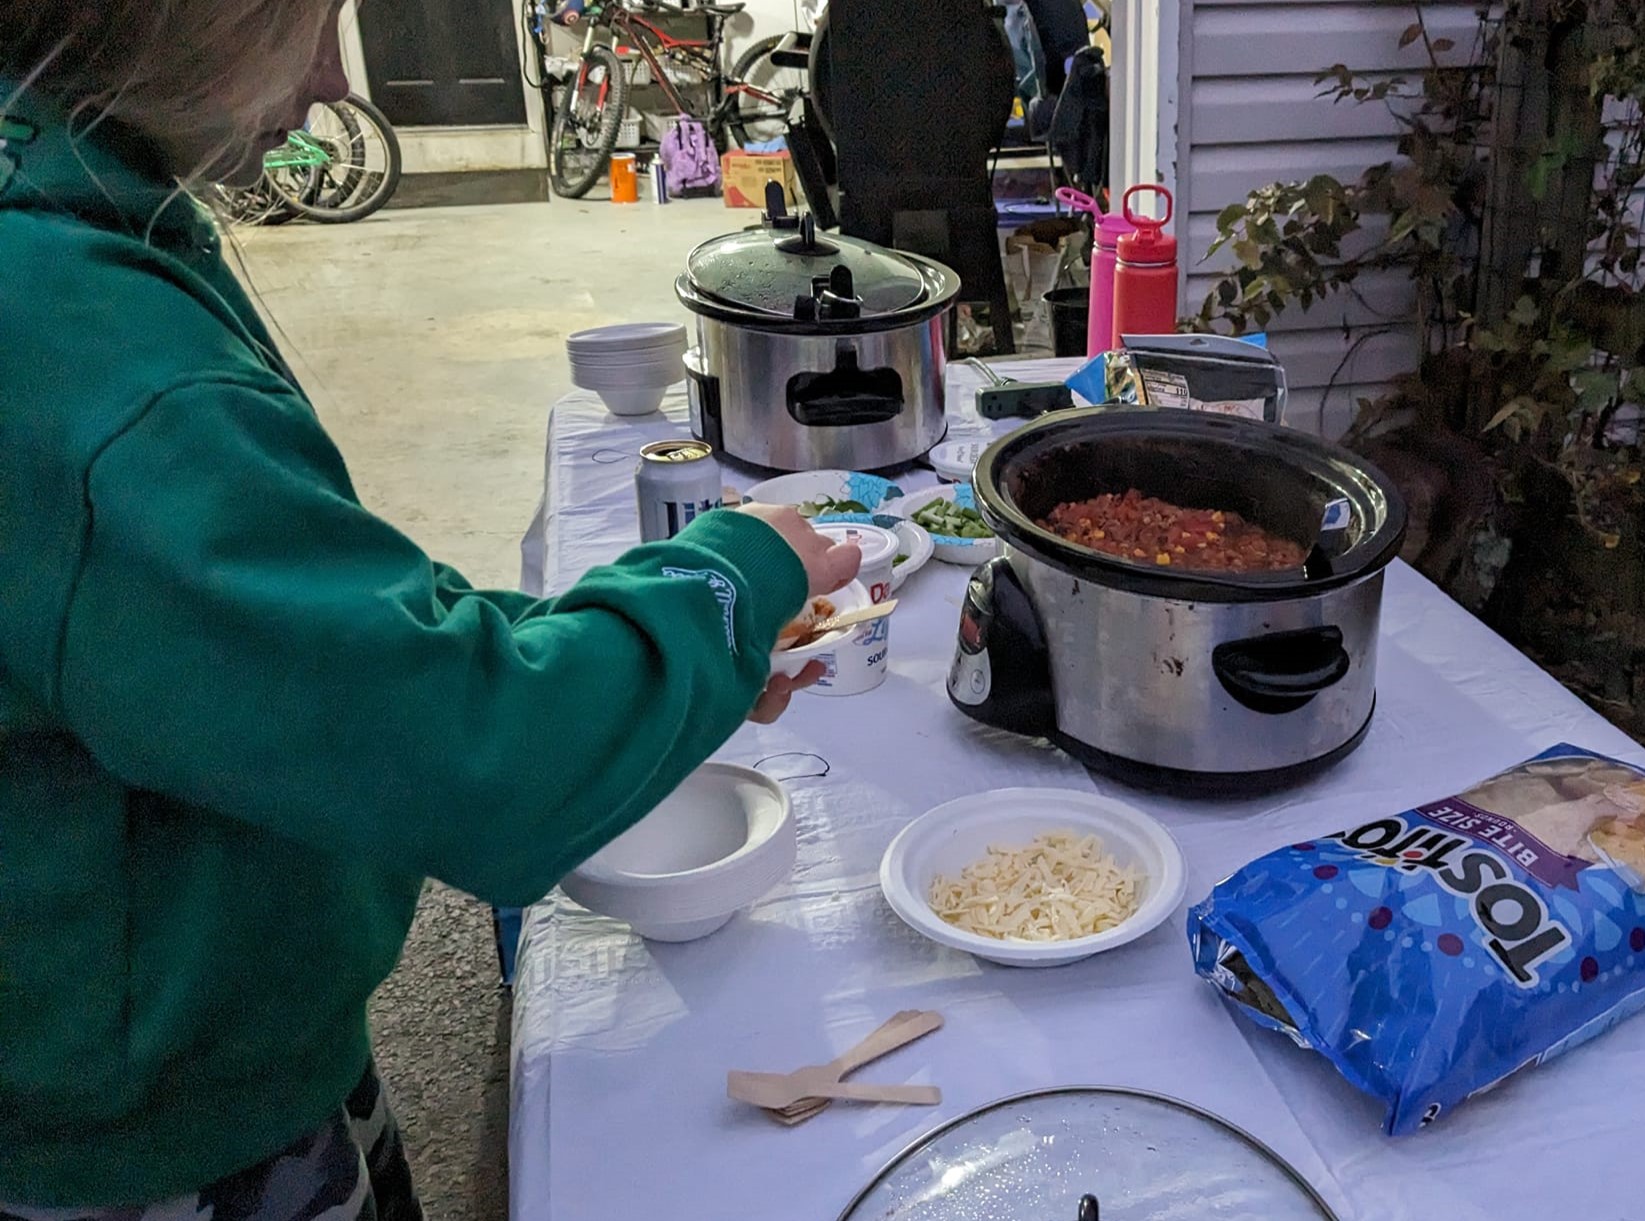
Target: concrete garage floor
{"points": [[432, 344]]}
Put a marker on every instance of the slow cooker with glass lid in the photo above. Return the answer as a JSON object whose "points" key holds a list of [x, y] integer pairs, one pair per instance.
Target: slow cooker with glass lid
{"points": [[815, 351]]}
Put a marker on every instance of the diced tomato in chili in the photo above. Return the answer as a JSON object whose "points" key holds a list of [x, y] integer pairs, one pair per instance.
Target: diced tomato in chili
{"points": [[1131, 525]]}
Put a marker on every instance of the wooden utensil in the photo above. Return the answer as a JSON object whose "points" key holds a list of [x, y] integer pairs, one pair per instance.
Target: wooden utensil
{"points": [[851, 618], [809, 1090], [899, 1031], [775, 1091]]}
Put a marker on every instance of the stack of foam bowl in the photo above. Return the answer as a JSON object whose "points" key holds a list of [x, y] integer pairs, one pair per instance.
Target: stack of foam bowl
{"points": [[630, 367]]}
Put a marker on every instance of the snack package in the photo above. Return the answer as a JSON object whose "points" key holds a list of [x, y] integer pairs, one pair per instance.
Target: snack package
{"points": [[1431, 954]]}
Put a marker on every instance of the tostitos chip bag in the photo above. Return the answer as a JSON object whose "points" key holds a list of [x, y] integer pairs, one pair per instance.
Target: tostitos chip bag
{"points": [[1432, 954]]}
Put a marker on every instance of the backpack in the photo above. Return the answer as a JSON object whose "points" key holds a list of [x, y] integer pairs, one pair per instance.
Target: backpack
{"points": [[691, 163]]}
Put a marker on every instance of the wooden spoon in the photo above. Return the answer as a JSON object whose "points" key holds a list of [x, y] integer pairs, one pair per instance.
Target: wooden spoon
{"points": [[863, 614], [808, 1090], [814, 631], [901, 1030], [774, 1091]]}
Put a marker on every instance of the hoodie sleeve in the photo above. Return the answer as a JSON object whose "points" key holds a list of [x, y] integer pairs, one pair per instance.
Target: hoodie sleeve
{"points": [[245, 637]]}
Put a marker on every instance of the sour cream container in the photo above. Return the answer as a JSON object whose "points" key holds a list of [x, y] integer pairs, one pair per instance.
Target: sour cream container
{"points": [[860, 662], [879, 553]]}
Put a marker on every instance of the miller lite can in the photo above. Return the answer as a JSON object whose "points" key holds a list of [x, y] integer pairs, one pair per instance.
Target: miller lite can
{"points": [[675, 482]]}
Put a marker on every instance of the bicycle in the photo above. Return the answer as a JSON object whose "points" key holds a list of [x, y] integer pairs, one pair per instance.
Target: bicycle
{"points": [[750, 103], [342, 166]]}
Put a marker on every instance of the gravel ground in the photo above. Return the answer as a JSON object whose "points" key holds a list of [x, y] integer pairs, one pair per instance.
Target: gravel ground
{"points": [[441, 1026]]}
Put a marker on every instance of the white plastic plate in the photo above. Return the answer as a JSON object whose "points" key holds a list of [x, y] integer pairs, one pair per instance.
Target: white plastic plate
{"points": [[948, 838]]}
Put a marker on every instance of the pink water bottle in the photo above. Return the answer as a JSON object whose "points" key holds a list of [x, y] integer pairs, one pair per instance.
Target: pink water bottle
{"points": [[1145, 273], [1107, 229]]}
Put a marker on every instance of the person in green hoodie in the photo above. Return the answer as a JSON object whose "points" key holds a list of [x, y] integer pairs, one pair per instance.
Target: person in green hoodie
{"points": [[241, 718]]}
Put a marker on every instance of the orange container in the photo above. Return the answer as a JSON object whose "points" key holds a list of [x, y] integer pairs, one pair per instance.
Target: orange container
{"points": [[625, 179]]}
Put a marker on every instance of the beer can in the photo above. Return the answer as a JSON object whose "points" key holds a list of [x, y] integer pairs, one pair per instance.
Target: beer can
{"points": [[659, 180], [675, 482]]}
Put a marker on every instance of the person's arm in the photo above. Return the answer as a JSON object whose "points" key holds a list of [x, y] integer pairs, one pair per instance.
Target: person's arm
{"points": [[245, 637], [452, 588]]}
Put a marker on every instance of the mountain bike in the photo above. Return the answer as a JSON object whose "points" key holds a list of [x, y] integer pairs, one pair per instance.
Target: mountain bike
{"points": [[750, 103], [342, 166]]}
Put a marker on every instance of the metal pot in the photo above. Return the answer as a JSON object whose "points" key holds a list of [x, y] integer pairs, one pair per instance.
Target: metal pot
{"points": [[1200, 679], [815, 351]]}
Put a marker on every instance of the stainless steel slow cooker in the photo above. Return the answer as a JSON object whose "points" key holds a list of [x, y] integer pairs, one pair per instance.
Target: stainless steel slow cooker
{"points": [[1199, 680], [815, 351]]}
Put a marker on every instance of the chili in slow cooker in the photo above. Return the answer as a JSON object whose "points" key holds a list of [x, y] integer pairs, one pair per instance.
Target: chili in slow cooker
{"points": [[1147, 530]]}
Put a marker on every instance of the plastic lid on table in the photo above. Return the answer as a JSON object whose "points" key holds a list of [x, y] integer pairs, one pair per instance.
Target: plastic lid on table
{"points": [[1037, 1156], [877, 542], [955, 460]]}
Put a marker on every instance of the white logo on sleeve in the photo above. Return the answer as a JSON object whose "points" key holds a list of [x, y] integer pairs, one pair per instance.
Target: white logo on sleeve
{"points": [[724, 592]]}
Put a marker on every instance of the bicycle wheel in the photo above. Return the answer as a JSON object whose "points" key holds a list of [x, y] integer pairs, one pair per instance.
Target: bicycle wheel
{"points": [[351, 159], [762, 94], [586, 118], [253, 205], [347, 155]]}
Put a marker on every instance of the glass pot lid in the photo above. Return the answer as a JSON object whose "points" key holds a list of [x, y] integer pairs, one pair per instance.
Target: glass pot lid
{"points": [[765, 271], [1137, 1156]]}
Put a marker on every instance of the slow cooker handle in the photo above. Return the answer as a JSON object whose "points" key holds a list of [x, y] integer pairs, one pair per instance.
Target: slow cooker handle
{"points": [[845, 396], [1282, 671]]}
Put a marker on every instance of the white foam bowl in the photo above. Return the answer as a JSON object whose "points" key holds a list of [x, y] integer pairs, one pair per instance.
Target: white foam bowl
{"points": [[948, 838], [627, 337], [663, 373], [633, 400], [717, 843], [791, 661], [673, 354]]}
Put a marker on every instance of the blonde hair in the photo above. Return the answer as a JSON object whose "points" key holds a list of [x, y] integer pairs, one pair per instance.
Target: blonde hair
{"points": [[162, 67]]}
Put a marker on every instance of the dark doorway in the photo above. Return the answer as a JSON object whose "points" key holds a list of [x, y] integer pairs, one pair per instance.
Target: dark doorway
{"points": [[443, 63]]}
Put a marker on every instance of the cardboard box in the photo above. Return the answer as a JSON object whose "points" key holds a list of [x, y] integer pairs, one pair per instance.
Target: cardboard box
{"points": [[744, 176]]}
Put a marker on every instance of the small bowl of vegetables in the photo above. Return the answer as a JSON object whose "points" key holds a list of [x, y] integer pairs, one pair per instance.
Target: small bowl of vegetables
{"points": [[825, 493], [949, 514]]}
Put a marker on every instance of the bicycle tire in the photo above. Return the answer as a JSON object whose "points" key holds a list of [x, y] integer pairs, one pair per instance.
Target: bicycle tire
{"points": [[737, 119], [258, 204], [381, 185], [570, 183], [344, 191]]}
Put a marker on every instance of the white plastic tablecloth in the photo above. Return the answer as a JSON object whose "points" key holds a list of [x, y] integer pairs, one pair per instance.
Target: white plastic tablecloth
{"points": [[621, 1047]]}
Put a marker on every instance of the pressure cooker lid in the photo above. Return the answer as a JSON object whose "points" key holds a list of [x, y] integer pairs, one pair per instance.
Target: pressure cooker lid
{"points": [[768, 271], [1037, 1157]]}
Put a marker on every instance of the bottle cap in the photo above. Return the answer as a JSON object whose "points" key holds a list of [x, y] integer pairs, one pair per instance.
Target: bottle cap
{"points": [[1150, 244], [1111, 227]]}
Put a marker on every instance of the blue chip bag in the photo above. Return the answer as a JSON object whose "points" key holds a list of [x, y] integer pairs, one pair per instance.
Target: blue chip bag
{"points": [[1432, 954]]}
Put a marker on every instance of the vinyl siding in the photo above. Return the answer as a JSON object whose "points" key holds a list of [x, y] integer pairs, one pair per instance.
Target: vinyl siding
{"points": [[1249, 114]]}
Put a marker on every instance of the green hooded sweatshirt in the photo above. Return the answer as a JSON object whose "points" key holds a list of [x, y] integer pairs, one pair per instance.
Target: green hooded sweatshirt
{"points": [[241, 718]]}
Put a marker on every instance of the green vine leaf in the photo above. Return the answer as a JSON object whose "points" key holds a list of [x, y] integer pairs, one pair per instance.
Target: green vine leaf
{"points": [[1510, 409]]}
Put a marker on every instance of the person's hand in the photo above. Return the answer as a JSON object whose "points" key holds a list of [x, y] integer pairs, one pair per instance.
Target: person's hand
{"points": [[828, 565], [773, 701]]}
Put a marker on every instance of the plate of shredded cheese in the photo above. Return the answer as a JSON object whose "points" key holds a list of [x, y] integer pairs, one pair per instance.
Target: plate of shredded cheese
{"points": [[1033, 877]]}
